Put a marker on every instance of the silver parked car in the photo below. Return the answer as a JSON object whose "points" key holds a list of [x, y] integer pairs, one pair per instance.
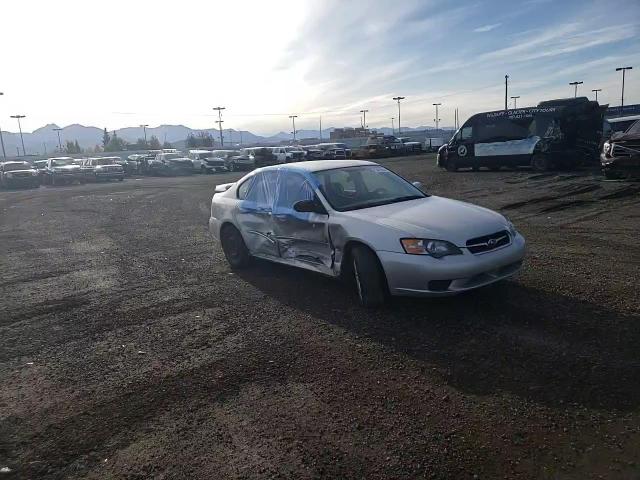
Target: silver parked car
{"points": [[360, 221]]}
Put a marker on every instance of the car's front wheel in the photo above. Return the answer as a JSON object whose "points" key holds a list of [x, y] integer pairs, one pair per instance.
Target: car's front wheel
{"points": [[451, 166], [234, 248], [368, 277]]}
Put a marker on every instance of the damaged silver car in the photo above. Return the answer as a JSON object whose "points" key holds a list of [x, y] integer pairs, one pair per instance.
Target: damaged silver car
{"points": [[360, 221]]}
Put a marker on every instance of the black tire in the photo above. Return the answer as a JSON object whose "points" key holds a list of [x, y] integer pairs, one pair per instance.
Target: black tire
{"points": [[203, 170], [52, 181], [234, 248], [451, 166], [120, 179], [368, 277], [610, 174], [475, 168], [540, 163], [495, 168], [232, 167]]}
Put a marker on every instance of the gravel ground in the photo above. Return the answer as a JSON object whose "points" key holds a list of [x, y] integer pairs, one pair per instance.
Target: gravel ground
{"points": [[128, 349]]}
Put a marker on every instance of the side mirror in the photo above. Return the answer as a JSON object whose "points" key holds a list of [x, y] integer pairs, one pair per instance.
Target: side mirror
{"points": [[418, 185], [309, 206]]}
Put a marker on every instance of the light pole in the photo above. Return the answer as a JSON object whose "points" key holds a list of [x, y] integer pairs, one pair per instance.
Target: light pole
{"points": [[397, 99], [596, 90], [4, 154], [293, 120], [364, 115], [506, 91], [515, 101], [437, 119], [320, 128], [18, 117], [58, 130], [623, 70], [393, 127], [144, 129], [219, 122], [575, 84]]}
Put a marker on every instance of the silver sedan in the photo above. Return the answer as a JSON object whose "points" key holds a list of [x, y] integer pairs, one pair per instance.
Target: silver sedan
{"points": [[362, 222]]}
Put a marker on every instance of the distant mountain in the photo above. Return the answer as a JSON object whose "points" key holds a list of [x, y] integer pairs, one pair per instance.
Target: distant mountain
{"points": [[44, 140]]}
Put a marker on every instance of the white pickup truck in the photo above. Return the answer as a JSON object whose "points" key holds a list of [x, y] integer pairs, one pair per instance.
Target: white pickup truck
{"points": [[288, 154]]}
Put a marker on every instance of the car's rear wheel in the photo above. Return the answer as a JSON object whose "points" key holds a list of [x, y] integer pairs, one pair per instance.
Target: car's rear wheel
{"points": [[234, 248], [368, 277], [540, 162]]}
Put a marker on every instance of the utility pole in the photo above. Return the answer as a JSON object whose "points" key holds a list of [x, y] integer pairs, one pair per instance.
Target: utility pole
{"points": [[364, 115], [293, 120], [4, 154], [515, 101], [58, 130], [437, 119], [397, 99], [623, 70], [393, 127], [575, 85], [596, 90], [219, 122], [320, 127], [18, 117], [144, 129], [506, 91]]}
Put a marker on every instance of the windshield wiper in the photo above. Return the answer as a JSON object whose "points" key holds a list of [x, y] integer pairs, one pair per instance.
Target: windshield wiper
{"points": [[387, 202]]}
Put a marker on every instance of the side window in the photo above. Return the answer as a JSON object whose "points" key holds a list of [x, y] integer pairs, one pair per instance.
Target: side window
{"points": [[263, 189], [466, 133], [243, 189], [293, 188]]}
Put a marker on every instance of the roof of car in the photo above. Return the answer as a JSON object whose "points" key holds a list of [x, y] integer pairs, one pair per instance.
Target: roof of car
{"points": [[318, 165]]}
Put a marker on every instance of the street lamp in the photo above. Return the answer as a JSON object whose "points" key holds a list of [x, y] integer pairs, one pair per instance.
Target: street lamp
{"points": [[437, 119], [393, 127], [4, 154], [506, 91], [575, 84], [364, 118], [144, 129], [18, 117], [293, 120], [219, 122], [623, 69], [58, 130], [397, 99], [515, 101], [596, 90]]}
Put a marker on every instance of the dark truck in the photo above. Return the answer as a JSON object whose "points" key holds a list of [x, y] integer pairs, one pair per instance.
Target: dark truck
{"points": [[621, 153], [555, 134]]}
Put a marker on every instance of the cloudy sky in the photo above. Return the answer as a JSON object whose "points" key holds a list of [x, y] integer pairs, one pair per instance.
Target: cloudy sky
{"points": [[122, 63]]}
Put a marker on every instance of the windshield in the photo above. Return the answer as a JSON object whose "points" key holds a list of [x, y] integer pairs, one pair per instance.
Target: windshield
{"points": [[62, 162], [171, 156], [16, 166], [353, 188]]}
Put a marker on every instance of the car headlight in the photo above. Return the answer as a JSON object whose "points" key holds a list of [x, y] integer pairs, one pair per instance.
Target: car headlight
{"points": [[606, 147], [425, 246], [511, 227], [34, 173]]}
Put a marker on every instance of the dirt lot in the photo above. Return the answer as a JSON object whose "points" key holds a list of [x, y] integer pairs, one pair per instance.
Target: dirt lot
{"points": [[128, 349]]}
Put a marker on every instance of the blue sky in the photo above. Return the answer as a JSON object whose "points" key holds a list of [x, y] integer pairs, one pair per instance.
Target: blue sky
{"points": [[266, 60]]}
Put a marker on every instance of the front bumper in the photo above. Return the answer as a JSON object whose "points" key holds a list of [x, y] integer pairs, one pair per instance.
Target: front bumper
{"points": [[109, 175], [422, 275], [30, 181], [215, 168], [214, 227]]}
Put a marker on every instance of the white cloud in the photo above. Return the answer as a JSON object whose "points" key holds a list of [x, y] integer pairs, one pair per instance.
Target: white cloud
{"points": [[487, 28]]}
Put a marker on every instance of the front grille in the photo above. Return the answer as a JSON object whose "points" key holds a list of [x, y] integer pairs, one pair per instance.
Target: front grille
{"points": [[625, 150], [22, 174], [487, 243]]}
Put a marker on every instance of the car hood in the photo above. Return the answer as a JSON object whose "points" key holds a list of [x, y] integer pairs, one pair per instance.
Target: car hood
{"points": [[26, 170], [436, 218]]}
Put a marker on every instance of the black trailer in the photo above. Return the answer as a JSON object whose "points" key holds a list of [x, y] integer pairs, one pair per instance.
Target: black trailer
{"points": [[555, 134]]}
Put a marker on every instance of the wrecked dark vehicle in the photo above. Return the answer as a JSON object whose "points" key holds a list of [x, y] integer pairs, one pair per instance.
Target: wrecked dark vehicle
{"points": [[620, 155], [557, 134], [18, 174]]}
